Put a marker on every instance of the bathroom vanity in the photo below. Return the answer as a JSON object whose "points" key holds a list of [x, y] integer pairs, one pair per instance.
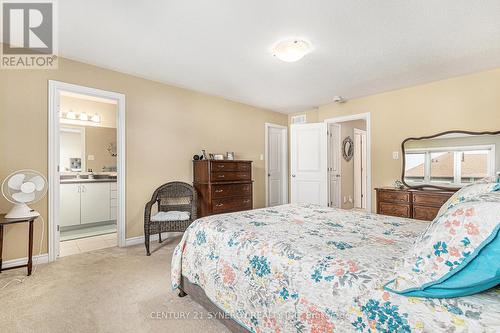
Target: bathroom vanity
{"points": [[85, 201]]}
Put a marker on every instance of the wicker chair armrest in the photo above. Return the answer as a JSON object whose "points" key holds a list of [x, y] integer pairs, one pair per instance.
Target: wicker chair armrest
{"points": [[147, 210], [194, 206]]}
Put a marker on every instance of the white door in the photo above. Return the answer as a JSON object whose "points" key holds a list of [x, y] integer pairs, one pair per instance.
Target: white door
{"points": [[69, 205], [308, 145], [275, 174], [359, 168], [334, 165], [95, 202]]}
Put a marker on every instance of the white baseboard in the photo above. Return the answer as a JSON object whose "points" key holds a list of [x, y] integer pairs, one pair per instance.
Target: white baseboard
{"points": [[139, 240], [40, 259]]}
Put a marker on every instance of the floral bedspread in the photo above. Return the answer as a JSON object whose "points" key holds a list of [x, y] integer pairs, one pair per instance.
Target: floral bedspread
{"points": [[302, 268]]}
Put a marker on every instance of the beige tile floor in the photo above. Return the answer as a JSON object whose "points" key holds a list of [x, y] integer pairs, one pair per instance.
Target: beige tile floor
{"points": [[82, 245]]}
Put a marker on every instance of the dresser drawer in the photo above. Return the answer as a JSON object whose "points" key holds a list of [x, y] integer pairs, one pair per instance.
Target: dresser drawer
{"points": [[425, 213], [231, 190], [433, 200], [394, 196], [393, 209], [231, 166], [224, 176], [226, 205]]}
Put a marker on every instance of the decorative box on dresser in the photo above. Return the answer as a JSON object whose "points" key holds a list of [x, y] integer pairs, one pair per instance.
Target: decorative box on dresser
{"points": [[223, 186], [414, 204]]}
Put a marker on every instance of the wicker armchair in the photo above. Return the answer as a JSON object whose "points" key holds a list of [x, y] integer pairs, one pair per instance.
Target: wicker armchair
{"points": [[173, 196]]}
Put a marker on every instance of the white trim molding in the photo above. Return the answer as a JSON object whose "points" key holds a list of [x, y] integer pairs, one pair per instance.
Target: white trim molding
{"points": [[37, 260], [55, 89], [284, 156], [367, 117]]}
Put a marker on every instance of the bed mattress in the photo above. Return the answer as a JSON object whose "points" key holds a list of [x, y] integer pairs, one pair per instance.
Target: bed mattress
{"points": [[303, 268]]}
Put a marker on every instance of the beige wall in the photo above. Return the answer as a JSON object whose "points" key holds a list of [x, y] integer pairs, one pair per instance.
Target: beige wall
{"points": [[165, 126], [469, 102], [347, 167]]}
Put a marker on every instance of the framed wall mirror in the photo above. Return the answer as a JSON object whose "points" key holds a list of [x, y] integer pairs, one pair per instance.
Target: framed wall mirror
{"points": [[348, 148], [450, 160]]}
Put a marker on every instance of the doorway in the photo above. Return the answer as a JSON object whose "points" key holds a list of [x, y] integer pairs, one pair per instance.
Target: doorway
{"points": [[86, 169], [349, 176], [276, 164]]}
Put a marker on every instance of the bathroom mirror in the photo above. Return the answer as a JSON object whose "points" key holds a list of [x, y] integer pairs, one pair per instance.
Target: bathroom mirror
{"points": [[87, 147], [450, 160]]}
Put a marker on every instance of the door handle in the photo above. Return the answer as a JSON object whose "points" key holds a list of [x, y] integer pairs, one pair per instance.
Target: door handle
{"points": [[338, 176], [80, 189], [293, 176]]}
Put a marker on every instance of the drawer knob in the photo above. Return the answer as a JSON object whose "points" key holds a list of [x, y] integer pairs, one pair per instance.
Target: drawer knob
{"points": [[221, 176], [219, 205], [219, 191], [246, 201], [220, 166]]}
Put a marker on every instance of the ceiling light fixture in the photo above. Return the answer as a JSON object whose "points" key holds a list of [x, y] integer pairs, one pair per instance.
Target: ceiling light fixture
{"points": [[291, 50]]}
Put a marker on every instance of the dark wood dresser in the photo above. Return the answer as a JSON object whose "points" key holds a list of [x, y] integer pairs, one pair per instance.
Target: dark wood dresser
{"points": [[223, 186], [414, 204]]}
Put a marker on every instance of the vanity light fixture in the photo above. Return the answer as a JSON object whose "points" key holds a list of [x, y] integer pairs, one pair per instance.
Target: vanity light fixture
{"points": [[84, 116], [70, 115], [291, 50], [96, 118]]}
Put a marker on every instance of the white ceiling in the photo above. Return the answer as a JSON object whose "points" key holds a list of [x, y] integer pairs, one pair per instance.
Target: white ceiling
{"points": [[221, 47]]}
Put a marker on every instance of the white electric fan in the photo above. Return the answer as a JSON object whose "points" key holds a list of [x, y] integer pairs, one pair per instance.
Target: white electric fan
{"points": [[24, 187]]}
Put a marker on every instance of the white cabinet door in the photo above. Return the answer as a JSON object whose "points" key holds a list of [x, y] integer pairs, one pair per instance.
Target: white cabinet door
{"points": [[95, 202], [309, 164], [69, 205]]}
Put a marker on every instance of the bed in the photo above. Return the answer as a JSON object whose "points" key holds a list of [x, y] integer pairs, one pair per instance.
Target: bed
{"points": [[303, 268]]}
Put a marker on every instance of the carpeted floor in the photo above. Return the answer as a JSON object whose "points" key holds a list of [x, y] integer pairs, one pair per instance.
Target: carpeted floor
{"points": [[108, 290]]}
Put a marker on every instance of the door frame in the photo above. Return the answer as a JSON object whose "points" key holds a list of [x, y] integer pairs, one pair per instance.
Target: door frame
{"points": [[54, 89], [330, 162], [367, 117], [284, 156]]}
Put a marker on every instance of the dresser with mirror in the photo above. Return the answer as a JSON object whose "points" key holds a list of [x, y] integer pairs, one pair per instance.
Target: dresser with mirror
{"points": [[435, 167]]}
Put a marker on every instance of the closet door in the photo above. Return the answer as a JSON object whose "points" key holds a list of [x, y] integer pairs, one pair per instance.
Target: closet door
{"points": [[309, 181]]}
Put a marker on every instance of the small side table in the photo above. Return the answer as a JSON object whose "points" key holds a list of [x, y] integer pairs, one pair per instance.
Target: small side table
{"points": [[5, 221]]}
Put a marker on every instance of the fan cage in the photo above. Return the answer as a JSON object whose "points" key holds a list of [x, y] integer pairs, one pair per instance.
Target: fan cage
{"points": [[7, 195]]}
